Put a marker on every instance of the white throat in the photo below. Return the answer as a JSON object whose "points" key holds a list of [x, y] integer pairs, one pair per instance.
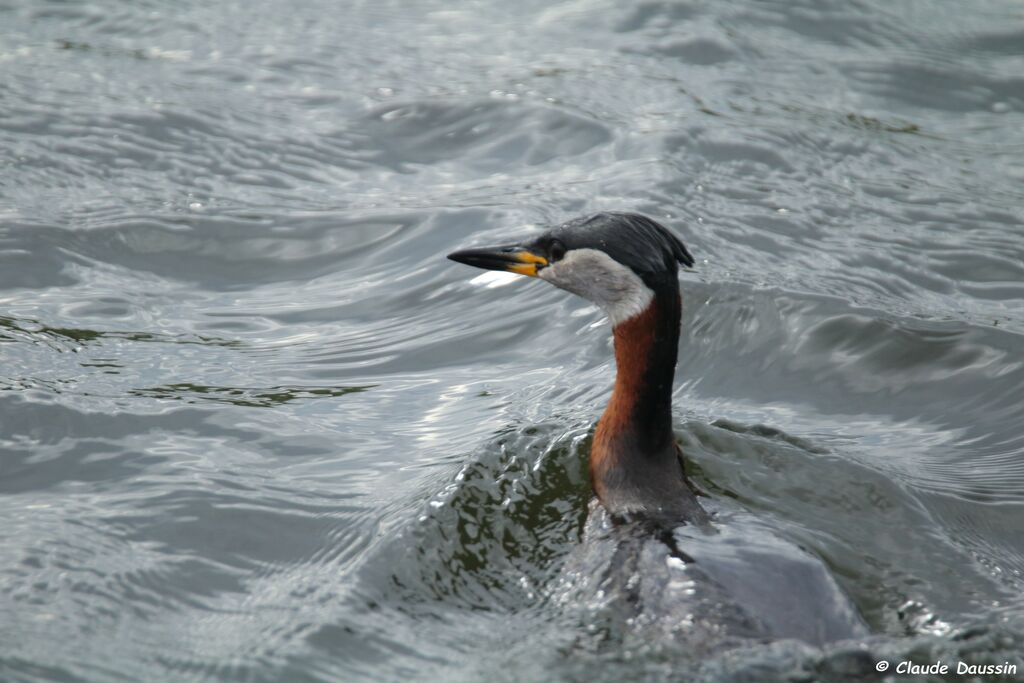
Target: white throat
{"points": [[597, 277]]}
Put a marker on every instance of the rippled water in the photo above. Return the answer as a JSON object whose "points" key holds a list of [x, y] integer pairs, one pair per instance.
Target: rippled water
{"points": [[254, 427]]}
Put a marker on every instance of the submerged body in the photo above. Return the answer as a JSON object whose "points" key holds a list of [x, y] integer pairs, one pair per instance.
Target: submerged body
{"points": [[740, 583], [649, 544]]}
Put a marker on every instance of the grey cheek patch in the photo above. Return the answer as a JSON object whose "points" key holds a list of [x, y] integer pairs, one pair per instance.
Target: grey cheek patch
{"points": [[597, 277]]}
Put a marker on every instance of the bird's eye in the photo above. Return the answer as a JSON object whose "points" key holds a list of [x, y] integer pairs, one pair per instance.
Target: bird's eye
{"points": [[556, 250]]}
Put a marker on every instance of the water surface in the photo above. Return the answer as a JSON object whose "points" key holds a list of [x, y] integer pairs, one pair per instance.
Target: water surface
{"points": [[254, 427]]}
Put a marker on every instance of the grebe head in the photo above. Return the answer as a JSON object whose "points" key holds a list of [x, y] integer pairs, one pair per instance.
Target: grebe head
{"points": [[618, 261]]}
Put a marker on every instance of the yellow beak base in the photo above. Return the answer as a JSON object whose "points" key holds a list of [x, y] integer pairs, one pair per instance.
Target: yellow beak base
{"points": [[513, 259]]}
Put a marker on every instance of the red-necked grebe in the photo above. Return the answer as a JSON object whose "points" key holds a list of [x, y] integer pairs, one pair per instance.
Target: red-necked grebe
{"points": [[628, 265], [753, 583]]}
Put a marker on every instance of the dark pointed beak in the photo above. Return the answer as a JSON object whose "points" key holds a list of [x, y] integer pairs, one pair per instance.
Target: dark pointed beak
{"points": [[511, 258]]}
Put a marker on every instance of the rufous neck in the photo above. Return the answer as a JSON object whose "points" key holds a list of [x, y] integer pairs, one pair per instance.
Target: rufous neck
{"points": [[646, 348]]}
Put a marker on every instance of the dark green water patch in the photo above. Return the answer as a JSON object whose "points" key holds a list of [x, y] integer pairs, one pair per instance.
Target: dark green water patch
{"points": [[492, 537], [33, 331], [248, 397]]}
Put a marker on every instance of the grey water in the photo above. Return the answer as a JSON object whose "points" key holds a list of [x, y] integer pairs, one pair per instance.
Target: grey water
{"points": [[255, 427]]}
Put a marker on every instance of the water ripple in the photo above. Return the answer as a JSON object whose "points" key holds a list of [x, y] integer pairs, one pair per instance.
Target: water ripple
{"points": [[254, 426]]}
